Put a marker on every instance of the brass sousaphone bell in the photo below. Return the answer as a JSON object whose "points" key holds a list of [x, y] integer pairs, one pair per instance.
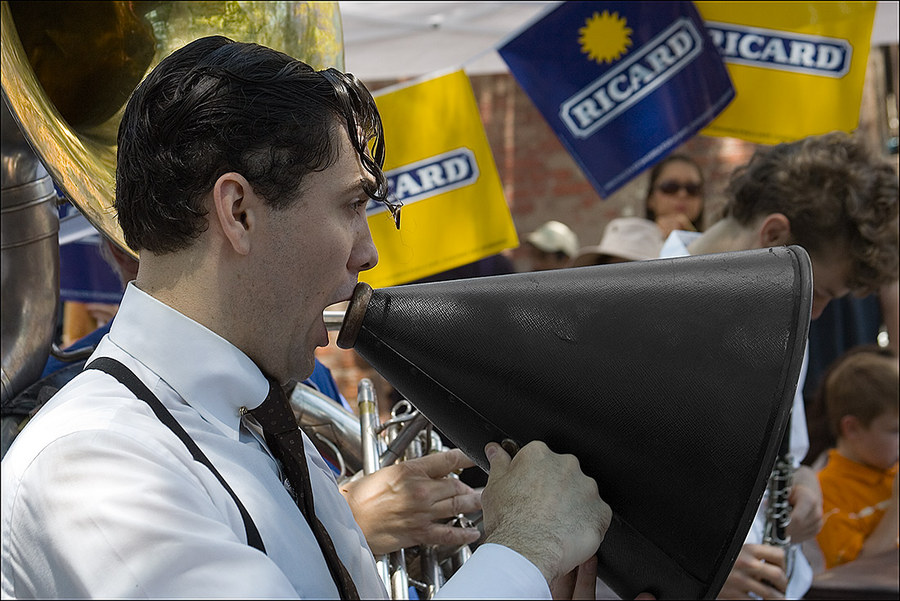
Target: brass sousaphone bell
{"points": [[68, 68]]}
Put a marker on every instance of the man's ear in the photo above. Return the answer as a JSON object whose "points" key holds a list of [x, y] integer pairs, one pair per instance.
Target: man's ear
{"points": [[775, 231], [235, 204]]}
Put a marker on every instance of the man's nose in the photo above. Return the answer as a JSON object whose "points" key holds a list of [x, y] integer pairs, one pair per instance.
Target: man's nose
{"points": [[364, 255]]}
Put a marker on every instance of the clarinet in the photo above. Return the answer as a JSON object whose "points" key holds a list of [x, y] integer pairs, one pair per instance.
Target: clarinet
{"points": [[778, 510]]}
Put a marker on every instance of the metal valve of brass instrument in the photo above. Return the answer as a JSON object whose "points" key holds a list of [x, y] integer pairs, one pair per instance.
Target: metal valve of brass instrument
{"points": [[406, 435]]}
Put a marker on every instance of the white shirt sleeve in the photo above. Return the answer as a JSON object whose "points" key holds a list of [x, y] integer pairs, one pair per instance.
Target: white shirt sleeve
{"points": [[496, 572]]}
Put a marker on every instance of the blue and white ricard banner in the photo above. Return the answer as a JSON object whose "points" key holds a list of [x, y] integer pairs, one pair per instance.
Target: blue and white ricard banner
{"points": [[621, 83]]}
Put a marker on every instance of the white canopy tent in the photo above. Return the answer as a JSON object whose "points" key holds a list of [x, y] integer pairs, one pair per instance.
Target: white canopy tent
{"points": [[396, 40]]}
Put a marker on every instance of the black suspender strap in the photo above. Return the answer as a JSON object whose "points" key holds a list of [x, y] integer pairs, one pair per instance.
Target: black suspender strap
{"points": [[140, 390]]}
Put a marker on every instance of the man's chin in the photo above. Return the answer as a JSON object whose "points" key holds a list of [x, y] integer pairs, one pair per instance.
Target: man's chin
{"points": [[304, 369]]}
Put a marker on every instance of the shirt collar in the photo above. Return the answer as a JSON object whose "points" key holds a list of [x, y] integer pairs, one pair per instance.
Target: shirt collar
{"points": [[212, 375]]}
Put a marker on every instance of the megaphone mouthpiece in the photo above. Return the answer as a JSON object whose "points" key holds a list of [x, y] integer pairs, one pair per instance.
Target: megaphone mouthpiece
{"points": [[353, 317]]}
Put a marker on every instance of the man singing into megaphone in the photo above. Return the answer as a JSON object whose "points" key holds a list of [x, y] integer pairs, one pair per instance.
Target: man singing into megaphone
{"points": [[161, 470]]}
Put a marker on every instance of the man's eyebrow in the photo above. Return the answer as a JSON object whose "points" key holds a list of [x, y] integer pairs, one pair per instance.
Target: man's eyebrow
{"points": [[359, 186]]}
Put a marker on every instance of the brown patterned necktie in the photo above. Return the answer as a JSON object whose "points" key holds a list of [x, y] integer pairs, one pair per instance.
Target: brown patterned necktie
{"points": [[286, 443]]}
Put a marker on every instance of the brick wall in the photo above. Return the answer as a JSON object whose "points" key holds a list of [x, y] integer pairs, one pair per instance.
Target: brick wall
{"points": [[541, 181]]}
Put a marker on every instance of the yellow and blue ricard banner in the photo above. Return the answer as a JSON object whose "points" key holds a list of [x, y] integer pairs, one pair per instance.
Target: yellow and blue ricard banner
{"points": [[797, 67], [621, 83], [439, 165]]}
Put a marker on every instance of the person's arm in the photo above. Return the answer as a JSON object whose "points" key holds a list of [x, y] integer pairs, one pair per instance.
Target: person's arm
{"points": [[884, 536], [405, 504], [806, 505]]}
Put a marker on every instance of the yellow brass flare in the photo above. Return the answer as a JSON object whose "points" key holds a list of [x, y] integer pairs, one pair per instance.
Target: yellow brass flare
{"points": [[69, 67]]}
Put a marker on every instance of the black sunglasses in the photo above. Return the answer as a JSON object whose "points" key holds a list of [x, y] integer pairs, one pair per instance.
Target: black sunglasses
{"points": [[672, 187]]}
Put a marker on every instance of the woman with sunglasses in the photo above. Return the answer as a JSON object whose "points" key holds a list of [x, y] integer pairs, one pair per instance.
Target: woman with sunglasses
{"points": [[675, 195]]}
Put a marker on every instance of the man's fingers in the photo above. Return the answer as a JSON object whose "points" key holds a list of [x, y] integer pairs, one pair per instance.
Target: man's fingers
{"points": [[748, 586], [442, 534], [438, 465], [425, 492], [563, 586], [498, 458], [580, 583], [447, 508], [586, 580]]}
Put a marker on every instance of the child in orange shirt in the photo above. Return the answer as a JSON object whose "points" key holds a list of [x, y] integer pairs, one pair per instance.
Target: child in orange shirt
{"points": [[859, 482]]}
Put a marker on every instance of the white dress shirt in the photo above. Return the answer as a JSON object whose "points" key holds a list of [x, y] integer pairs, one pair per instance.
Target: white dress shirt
{"points": [[801, 578], [100, 499]]}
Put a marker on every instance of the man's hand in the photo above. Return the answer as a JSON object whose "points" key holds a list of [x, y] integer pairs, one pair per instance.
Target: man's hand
{"points": [[541, 505], [580, 583], [806, 506], [759, 569], [409, 503]]}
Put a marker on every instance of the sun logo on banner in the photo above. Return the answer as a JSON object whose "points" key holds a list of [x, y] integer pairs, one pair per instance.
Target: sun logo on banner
{"points": [[605, 37]]}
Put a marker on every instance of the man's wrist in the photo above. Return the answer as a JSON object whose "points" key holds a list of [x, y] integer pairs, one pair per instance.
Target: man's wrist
{"points": [[542, 553]]}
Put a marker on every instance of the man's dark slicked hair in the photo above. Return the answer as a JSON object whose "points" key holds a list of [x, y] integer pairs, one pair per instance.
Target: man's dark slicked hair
{"points": [[216, 106]]}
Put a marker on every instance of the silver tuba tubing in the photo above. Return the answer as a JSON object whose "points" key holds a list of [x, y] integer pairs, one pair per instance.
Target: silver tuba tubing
{"points": [[392, 567], [30, 259], [330, 426]]}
